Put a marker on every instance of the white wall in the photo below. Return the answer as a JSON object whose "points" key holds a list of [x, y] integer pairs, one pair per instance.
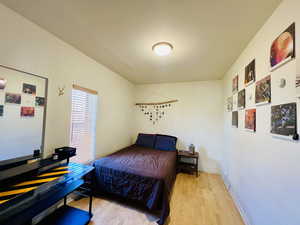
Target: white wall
{"points": [[263, 171], [197, 117], [25, 46]]}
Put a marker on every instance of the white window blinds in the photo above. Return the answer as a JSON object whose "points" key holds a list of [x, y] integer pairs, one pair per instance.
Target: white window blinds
{"points": [[83, 124]]}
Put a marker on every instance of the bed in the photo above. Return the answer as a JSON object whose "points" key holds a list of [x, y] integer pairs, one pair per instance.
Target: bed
{"points": [[143, 173]]}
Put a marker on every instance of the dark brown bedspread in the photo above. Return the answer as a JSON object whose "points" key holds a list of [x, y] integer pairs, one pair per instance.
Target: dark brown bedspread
{"points": [[140, 174]]}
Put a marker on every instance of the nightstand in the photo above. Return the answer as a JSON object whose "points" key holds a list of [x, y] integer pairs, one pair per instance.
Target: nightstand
{"points": [[187, 166]]}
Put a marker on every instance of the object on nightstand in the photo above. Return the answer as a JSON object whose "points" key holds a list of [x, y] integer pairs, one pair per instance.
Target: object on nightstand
{"points": [[192, 148]]}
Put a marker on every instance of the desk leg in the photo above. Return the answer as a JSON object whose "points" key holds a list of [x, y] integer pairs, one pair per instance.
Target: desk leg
{"points": [[65, 200], [92, 181], [91, 204]]}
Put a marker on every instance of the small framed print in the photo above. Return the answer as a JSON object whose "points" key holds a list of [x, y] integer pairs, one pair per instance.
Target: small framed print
{"points": [[12, 98], [263, 91], [250, 73], [1, 110], [39, 101], [242, 99], [250, 120], [235, 84], [284, 119], [229, 105], [29, 89], [235, 119], [27, 111]]}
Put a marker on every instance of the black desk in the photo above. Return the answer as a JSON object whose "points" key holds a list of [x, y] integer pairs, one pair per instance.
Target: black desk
{"points": [[21, 208]]}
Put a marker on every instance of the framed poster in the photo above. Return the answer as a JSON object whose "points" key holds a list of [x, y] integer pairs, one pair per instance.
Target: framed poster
{"points": [[229, 105], [235, 84], [263, 91], [284, 119], [297, 85], [283, 48], [250, 73], [235, 119], [242, 99], [250, 120]]}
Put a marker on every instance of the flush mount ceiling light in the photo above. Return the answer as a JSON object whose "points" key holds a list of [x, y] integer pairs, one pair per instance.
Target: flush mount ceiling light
{"points": [[162, 48]]}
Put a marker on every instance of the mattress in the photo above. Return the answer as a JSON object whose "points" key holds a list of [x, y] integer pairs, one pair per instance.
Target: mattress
{"points": [[139, 174]]}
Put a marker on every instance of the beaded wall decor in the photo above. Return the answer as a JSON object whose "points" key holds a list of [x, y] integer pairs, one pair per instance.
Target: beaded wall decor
{"points": [[155, 111]]}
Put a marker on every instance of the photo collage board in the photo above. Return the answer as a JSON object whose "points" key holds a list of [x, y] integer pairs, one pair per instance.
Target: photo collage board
{"points": [[22, 95], [254, 93], [22, 112]]}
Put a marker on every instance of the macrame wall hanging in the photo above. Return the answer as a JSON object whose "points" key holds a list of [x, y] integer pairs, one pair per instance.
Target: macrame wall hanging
{"points": [[155, 111]]}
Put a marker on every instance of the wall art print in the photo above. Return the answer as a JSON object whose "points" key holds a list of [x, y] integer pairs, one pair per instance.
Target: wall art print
{"points": [[2, 83], [27, 111], [250, 120], [235, 84], [283, 48], [29, 89], [229, 104], [39, 101], [12, 98], [235, 119], [297, 85], [263, 90], [284, 119], [250, 73], [242, 99], [234, 103], [1, 110]]}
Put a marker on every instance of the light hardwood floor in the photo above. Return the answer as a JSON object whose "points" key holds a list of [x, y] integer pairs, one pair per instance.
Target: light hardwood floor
{"points": [[195, 201], [202, 201]]}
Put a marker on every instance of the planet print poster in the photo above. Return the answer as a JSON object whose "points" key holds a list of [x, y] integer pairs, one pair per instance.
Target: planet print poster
{"points": [[283, 48]]}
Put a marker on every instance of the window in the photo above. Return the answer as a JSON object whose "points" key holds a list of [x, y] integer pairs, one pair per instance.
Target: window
{"points": [[83, 123]]}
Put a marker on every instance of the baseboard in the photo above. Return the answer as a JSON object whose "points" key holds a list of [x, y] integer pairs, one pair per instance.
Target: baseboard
{"points": [[210, 169], [236, 200]]}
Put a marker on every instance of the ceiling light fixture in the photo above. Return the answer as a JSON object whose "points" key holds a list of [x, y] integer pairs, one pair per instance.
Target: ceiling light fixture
{"points": [[162, 48]]}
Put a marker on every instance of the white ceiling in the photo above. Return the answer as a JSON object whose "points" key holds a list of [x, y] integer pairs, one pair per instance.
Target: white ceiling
{"points": [[207, 35]]}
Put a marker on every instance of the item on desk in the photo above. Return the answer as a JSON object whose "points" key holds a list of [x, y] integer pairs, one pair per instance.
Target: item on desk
{"points": [[36, 153], [65, 152], [192, 149], [55, 156]]}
